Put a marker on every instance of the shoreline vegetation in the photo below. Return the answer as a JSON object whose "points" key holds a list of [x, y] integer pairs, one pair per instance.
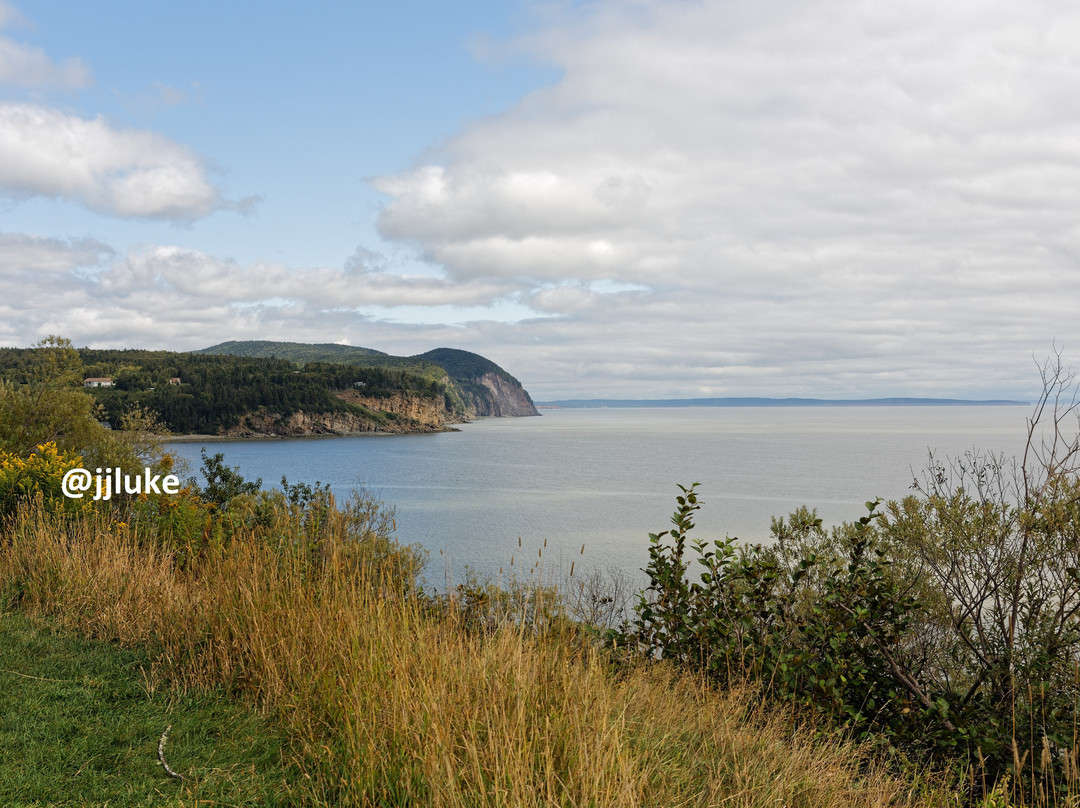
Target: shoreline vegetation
{"points": [[924, 654], [243, 389], [194, 438], [387, 700]]}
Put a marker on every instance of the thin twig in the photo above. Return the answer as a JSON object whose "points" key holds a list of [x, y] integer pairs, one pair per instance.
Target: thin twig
{"points": [[39, 678], [83, 767], [906, 680], [161, 755]]}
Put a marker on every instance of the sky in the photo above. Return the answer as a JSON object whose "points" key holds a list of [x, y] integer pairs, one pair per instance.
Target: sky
{"points": [[610, 199]]}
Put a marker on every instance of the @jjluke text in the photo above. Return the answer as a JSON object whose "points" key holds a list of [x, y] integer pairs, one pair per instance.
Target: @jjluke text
{"points": [[113, 481]]}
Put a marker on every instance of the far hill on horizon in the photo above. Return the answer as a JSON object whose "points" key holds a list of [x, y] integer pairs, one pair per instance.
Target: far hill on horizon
{"points": [[583, 403], [476, 385]]}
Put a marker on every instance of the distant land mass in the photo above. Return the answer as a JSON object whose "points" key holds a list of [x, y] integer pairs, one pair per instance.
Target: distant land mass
{"points": [[581, 403], [249, 389], [473, 385]]}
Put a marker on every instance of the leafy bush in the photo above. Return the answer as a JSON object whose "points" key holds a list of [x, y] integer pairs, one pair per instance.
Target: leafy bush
{"points": [[38, 477], [828, 644], [945, 626], [222, 482]]}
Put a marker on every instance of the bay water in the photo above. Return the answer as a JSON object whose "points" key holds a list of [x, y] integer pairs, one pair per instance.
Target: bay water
{"points": [[523, 495]]}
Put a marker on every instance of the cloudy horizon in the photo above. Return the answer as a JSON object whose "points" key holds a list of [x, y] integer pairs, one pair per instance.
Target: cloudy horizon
{"points": [[637, 199]]}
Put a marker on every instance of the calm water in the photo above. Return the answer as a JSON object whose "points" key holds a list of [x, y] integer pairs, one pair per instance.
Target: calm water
{"points": [[607, 477]]}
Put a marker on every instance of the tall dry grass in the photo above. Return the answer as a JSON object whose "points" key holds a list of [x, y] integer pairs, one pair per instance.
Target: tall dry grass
{"points": [[393, 702]]}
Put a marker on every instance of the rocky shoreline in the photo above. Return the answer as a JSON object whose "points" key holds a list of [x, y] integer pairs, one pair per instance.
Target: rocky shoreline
{"points": [[255, 436], [400, 413]]}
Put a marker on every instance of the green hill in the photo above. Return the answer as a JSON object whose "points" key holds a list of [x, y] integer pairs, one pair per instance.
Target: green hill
{"points": [[296, 351], [463, 364], [474, 385], [239, 395], [258, 388]]}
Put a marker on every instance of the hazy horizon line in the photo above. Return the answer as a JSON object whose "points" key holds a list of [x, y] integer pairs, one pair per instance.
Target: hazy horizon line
{"points": [[744, 401]]}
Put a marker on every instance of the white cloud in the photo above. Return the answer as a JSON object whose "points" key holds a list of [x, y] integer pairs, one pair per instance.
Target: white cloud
{"points": [[173, 297], [25, 255], [604, 338], [9, 15], [26, 66], [197, 276], [117, 172], [114, 171], [746, 197], [826, 188]]}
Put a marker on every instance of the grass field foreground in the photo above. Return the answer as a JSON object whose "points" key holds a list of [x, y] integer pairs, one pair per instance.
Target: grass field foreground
{"points": [[78, 726], [387, 701]]}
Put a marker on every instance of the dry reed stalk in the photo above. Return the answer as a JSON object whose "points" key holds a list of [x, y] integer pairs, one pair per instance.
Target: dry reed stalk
{"points": [[388, 701]]}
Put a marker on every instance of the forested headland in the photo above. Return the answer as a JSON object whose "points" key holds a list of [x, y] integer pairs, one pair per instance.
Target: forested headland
{"points": [[297, 389]]}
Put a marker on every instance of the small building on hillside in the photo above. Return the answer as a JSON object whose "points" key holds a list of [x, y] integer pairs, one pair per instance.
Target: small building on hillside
{"points": [[174, 380], [103, 381]]}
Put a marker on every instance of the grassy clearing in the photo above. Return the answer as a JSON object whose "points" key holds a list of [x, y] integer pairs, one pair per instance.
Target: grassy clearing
{"points": [[78, 726], [391, 702]]}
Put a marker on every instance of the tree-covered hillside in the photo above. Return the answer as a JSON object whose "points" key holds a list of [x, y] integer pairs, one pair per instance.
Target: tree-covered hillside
{"points": [[467, 376], [302, 353], [298, 351], [216, 393], [259, 385]]}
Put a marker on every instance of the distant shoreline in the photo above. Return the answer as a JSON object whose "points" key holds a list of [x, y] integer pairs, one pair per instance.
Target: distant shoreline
{"points": [[189, 438], [775, 402]]}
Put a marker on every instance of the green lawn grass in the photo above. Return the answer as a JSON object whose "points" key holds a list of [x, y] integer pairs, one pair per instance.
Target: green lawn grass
{"points": [[79, 727]]}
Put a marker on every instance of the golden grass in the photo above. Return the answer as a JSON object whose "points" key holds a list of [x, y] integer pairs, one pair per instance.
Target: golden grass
{"points": [[393, 703]]}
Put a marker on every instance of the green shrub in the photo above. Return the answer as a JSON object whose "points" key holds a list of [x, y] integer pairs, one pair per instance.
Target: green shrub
{"points": [[945, 627], [38, 477]]}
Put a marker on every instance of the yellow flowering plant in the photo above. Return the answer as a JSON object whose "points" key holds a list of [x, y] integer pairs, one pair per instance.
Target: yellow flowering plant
{"points": [[38, 476]]}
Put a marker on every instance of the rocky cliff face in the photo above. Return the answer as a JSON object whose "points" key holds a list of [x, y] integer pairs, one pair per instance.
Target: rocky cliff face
{"points": [[469, 386], [466, 384], [421, 412], [477, 386], [396, 414], [301, 423], [503, 398]]}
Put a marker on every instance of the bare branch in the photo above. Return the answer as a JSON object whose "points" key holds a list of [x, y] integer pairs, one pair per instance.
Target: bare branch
{"points": [[161, 755]]}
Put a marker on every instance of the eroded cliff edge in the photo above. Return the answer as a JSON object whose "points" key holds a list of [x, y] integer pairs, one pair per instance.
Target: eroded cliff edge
{"points": [[448, 386], [483, 388], [504, 398], [397, 414]]}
